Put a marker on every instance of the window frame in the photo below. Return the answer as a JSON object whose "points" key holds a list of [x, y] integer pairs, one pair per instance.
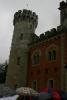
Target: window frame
{"points": [[49, 83], [34, 87], [50, 48], [53, 55], [36, 57]]}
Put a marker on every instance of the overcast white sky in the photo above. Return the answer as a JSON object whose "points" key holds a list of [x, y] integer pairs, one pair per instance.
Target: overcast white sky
{"points": [[49, 17]]}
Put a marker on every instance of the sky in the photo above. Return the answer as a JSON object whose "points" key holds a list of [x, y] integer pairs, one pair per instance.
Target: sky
{"points": [[48, 17]]}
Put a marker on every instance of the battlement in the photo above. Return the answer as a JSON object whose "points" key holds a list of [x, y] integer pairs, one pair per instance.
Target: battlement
{"points": [[25, 15], [51, 33], [63, 5]]}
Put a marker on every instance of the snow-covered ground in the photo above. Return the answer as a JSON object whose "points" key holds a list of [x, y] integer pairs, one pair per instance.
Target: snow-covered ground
{"points": [[9, 98]]}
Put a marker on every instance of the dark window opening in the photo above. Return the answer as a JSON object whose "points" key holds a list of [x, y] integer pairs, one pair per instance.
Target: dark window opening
{"points": [[34, 84], [51, 83], [53, 55], [21, 36], [36, 59], [49, 56], [18, 60]]}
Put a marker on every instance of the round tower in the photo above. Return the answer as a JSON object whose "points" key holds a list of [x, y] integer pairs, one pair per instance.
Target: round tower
{"points": [[25, 23]]}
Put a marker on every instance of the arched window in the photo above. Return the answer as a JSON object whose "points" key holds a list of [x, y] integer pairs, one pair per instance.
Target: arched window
{"points": [[49, 55], [52, 55], [36, 58]]}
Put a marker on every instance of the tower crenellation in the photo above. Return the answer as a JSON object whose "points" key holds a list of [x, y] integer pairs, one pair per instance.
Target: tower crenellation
{"points": [[25, 15], [63, 4]]}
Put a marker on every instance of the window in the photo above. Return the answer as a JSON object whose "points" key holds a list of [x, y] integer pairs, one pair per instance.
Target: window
{"points": [[49, 55], [52, 55], [21, 36], [50, 83], [34, 84], [18, 60], [36, 58]]}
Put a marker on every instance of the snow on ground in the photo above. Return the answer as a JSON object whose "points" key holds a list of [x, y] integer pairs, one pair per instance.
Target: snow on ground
{"points": [[9, 98]]}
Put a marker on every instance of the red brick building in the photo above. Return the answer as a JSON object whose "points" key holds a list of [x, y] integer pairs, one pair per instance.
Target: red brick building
{"points": [[48, 56]]}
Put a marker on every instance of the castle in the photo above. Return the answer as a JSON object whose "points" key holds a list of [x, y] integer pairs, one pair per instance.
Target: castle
{"points": [[38, 61]]}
